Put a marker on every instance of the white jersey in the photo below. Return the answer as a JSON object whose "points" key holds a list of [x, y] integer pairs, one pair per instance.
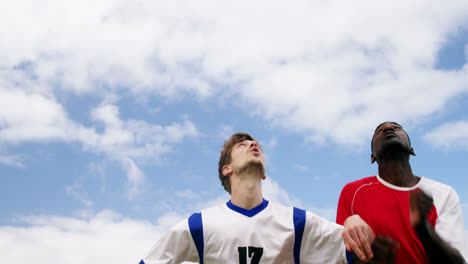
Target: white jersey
{"points": [[268, 233], [449, 224]]}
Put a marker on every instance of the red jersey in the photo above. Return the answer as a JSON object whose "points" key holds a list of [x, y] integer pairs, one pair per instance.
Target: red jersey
{"points": [[385, 207]]}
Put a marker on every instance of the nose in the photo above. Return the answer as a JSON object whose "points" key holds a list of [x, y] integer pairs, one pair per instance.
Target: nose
{"points": [[253, 144], [388, 127]]}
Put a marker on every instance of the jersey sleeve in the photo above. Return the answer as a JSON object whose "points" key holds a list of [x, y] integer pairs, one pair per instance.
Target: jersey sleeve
{"points": [[176, 246], [322, 242], [449, 224], [344, 205]]}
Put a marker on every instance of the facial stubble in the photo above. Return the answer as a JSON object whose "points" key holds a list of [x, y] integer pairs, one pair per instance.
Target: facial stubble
{"points": [[253, 167]]}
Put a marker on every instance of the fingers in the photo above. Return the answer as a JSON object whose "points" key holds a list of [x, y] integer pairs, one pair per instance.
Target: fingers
{"points": [[358, 237], [351, 244], [420, 205], [384, 249]]}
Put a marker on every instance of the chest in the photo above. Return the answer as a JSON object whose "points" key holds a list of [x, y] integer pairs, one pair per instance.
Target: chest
{"points": [[235, 238], [384, 209]]}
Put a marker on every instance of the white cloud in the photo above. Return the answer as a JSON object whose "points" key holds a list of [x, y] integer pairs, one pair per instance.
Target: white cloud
{"points": [[225, 131], [26, 117], [134, 175], [102, 238], [186, 194], [31, 117], [75, 191], [271, 144], [448, 135], [135, 138], [11, 160], [272, 191], [34, 117], [300, 167], [329, 69], [327, 213]]}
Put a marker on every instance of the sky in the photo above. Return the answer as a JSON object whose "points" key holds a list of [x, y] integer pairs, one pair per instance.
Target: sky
{"points": [[113, 113]]}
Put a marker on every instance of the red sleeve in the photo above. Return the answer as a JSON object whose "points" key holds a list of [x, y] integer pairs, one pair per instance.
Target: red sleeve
{"points": [[344, 205]]}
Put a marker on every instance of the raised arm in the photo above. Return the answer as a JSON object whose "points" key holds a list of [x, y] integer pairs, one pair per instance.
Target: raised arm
{"points": [[437, 250]]}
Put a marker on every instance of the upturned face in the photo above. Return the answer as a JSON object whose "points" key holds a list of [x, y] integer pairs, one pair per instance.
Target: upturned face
{"points": [[389, 135], [244, 154]]}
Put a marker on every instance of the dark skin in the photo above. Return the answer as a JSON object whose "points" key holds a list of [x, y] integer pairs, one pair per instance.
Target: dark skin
{"points": [[391, 148], [437, 250], [384, 249]]}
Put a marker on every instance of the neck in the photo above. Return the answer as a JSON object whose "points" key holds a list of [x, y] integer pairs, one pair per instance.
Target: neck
{"points": [[398, 173], [246, 190]]}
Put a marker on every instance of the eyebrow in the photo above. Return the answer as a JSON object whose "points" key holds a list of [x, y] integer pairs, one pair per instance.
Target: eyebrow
{"points": [[394, 123], [258, 144]]}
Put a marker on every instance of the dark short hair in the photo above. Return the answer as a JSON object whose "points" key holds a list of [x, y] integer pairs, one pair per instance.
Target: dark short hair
{"points": [[225, 156], [372, 140]]}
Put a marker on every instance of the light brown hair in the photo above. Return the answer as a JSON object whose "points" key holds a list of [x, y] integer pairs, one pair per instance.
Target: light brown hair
{"points": [[225, 157]]}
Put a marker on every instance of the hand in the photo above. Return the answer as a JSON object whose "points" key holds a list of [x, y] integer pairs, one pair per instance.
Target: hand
{"points": [[385, 249], [420, 205], [358, 237]]}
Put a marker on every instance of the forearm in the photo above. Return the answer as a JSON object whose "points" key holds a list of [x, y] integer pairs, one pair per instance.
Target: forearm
{"points": [[437, 250]]}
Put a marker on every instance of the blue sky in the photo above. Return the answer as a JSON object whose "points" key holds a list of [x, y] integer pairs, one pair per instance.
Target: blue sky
{"points": [[112, 117]]}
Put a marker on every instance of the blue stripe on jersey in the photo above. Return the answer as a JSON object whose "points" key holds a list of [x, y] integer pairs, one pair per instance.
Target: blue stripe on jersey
{"points": [[249, 213], [299, 218], [349, 257], [196, 229]]}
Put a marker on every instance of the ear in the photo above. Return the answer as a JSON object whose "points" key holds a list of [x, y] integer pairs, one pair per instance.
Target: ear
{"points": [[227, 170], [372, 158], [412, 152], [264, 177]]}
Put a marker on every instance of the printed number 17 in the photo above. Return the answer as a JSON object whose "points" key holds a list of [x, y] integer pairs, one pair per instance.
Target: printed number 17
{"points": [[254, 253]]}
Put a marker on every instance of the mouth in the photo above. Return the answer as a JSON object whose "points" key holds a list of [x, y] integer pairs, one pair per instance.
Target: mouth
{"points": [[389, 135], [255, 149]]}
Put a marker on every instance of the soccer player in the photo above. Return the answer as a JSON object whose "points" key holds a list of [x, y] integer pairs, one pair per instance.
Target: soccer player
{"points": [[383, 201], [250, 229]]}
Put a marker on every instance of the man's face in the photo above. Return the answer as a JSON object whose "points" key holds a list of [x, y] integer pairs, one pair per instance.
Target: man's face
{"points": [[247, 154], [389, 135]]}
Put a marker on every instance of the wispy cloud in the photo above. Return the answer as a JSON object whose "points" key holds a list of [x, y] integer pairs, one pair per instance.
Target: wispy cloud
{"points": [[26, 117], [225, 131], [273, 191], [300, 167], [449, 135], [135, 138], [11, 160], [76, 192]]}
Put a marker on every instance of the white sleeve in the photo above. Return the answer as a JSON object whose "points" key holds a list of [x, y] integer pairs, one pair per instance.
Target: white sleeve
{"points": [[449, 224], [175, 247], [322, 242]]}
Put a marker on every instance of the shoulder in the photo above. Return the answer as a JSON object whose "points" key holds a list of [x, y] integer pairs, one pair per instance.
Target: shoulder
{"points": [[214, 210], [432, 184], [353, 186], [277, 208], [444, 195], [436, 189]]}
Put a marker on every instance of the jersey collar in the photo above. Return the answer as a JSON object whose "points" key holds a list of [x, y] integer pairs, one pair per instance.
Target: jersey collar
{"points": [[249, 213]]}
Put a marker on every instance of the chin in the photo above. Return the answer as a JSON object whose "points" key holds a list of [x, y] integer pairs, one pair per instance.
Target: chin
{"points": [[253, 166], [395, 146]]}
